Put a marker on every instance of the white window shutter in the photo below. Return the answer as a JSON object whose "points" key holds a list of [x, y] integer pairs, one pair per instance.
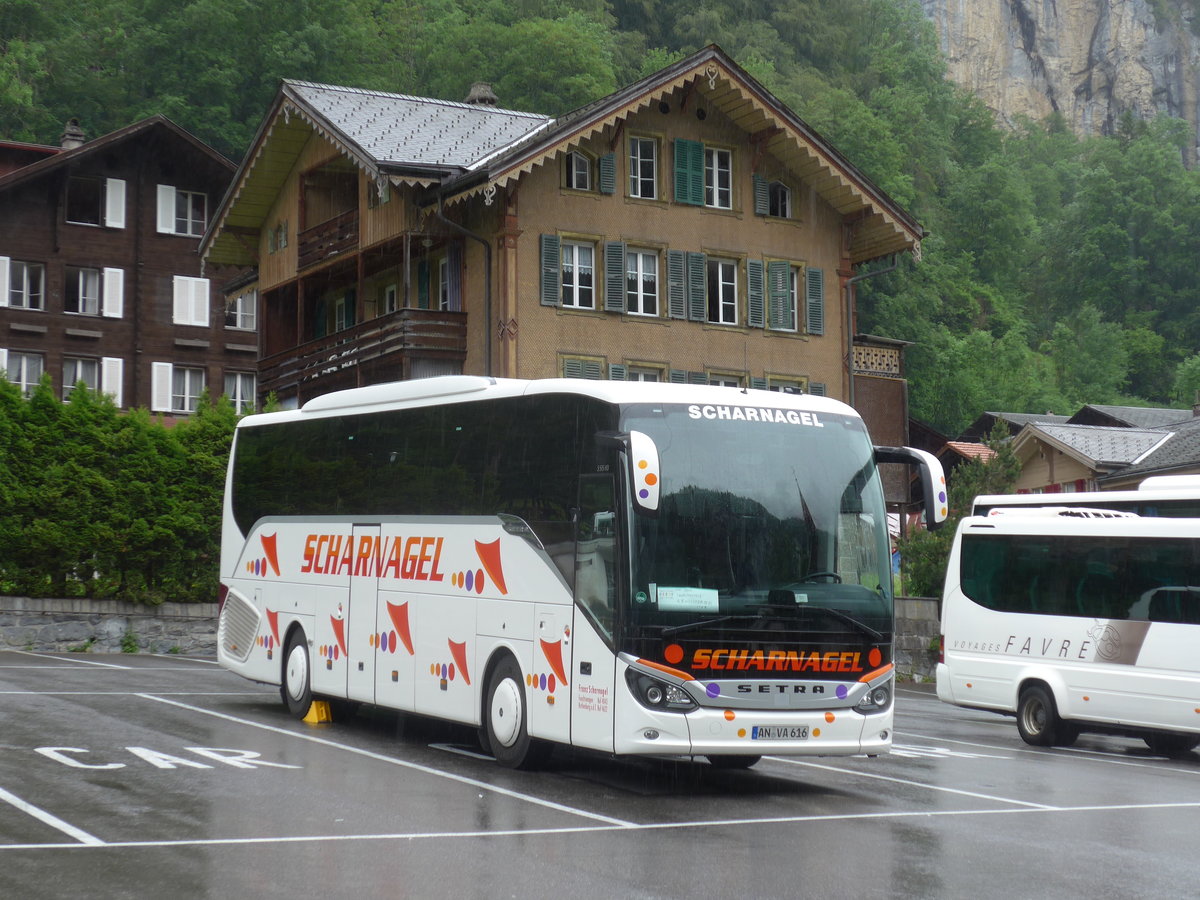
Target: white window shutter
{"points": [[182, 300], [200, 301], [4, 270], [160, 387], [114, 203], [3, 362], [112, 378], [114, 293], [166, 209]]}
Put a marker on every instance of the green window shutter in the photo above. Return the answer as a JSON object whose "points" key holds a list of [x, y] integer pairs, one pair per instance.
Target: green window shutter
{"points": [[697, 286], [779, 287], [616, 372], [551, 276], [759, 384], [689, 172], [592, 369], [814, 293], [754, 293], [697, 378], [678, 376], [614, 276], [761, 198], [581, 368], [816, 388], [676, 284], [608, 173]]}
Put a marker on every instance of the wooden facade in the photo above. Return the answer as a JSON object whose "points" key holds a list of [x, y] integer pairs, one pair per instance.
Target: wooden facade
{"points": [[575, 252], [100, 276]]}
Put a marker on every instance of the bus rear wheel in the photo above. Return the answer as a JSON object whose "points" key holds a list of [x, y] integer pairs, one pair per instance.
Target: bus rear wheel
{"points": [[296, 687], [1038, 720], [1171, 745], [505, 721]]}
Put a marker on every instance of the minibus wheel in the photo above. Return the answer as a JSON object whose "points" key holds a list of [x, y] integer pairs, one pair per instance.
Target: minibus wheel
{"points": [[1171, 745], [295, 687], [1038, 721]]}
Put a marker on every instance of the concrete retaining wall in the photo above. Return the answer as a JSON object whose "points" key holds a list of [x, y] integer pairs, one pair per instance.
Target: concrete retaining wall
{"points": [[191, 628], [102, 626]]}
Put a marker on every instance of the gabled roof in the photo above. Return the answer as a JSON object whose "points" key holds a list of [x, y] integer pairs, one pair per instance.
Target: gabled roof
{"points": [[67, 158], [1095, 446], [983, 424], [1129, 416], [1181, 450], [467, 150], [969, 450]]}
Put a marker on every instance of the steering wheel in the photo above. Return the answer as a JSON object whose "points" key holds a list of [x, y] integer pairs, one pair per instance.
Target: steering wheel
{"points": [[813, 576]]}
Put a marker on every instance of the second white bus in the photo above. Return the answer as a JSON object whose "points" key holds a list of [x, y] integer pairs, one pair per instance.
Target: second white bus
{"points": [[1074, 621]]}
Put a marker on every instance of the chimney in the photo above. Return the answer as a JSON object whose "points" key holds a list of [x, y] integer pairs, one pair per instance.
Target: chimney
{"points": [[72, 135], [481, 94]]}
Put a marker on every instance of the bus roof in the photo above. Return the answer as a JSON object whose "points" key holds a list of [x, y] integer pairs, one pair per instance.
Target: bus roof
{"points": [[467, 388]]}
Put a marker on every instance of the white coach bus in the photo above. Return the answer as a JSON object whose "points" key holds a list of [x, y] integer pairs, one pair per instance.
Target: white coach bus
{"points": [[633, 568], [1076, 620]]}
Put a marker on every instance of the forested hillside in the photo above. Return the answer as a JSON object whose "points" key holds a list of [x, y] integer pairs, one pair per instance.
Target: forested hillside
{"points": [[1058, 271]]}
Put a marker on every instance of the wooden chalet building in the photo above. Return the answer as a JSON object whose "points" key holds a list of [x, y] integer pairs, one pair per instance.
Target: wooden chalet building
{"points": [[688, 228], [100, 276]]}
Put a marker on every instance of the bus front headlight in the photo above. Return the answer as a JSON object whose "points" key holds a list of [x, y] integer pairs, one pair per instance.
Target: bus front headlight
{"points": [[655, 694], [877, 699]]}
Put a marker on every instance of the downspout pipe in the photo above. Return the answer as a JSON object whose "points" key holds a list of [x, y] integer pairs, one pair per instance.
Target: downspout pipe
{"points": [[850, 296], [487, 280]]}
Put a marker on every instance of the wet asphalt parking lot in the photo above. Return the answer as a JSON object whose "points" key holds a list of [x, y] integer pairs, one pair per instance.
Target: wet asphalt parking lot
{"points": [[160, 776]]}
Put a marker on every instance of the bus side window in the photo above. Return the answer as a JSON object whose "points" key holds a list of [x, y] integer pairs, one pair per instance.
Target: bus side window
{"points": [[595, 550]]}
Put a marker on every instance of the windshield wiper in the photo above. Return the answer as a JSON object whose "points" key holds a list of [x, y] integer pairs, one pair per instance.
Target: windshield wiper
{"points": [[692, 626], [848, 620]]}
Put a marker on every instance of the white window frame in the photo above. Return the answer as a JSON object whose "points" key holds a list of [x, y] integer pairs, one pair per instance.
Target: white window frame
{"points": [[111, 209], [644, 373], [88, 283], [579, 171], [80, 363], [575, 294], [23, 378], [722, 308], [724, 379], [190, 301], [243, 310], [243, 394], [443, 285], [641, 186], [175, 389], [15, 289], [779, 200], [169, 219], [718, 178], [641, 267]]}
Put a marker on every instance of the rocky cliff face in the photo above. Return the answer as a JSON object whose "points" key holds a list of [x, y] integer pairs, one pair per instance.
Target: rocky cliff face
{"points": [[1090, 60]]}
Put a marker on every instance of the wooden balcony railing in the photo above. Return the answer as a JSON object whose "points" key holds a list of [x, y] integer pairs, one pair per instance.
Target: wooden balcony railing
{"points": [[331, 237], [388, 338]]}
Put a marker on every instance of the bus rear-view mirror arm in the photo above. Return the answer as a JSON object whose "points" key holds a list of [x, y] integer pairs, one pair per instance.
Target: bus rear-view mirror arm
{"points": [[933, 479]]}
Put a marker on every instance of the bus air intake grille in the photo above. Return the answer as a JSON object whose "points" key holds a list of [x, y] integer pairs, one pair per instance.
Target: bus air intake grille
{"points": [[237, 627]]}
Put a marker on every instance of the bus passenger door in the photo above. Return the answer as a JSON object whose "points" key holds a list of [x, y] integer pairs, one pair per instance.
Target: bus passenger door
{"points": [[593, 664], [360, 614]]}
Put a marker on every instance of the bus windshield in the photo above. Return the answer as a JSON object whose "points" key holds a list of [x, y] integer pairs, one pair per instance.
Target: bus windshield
{"points": [[765, 519]]}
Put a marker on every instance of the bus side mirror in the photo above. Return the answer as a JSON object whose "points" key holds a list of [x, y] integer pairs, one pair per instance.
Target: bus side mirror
{"points": [[641, 460], [933, 479]]}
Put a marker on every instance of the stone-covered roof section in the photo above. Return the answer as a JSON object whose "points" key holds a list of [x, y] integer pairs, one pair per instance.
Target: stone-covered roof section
{"points": [[1180, 451], [1103, 447], [401, 130], [1129, 416], [982, 426]]}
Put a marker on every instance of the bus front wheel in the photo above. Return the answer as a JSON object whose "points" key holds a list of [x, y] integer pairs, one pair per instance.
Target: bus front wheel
{"points": [[505, 721], [1171, 745], [296, 687], [1038, 720]]}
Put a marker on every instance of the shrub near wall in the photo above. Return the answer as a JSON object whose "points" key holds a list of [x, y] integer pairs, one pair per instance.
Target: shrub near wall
{"points": [[99, 504]]}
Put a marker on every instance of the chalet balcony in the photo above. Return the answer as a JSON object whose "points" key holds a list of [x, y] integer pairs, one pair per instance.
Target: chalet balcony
{"points": [[331, 237], [378, 350]]}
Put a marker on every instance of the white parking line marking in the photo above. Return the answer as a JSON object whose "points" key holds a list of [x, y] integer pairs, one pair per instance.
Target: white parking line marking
{"points": [[71, 659], [910, 783], [516, 795], [1107, 757], [52, 820], [589, 829]]}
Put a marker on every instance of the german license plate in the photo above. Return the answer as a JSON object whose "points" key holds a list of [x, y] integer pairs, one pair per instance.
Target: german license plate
{"points": [[779, 733]]}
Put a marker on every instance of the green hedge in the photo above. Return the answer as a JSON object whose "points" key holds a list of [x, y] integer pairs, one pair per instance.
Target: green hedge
{"points": [[103, 504]]}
